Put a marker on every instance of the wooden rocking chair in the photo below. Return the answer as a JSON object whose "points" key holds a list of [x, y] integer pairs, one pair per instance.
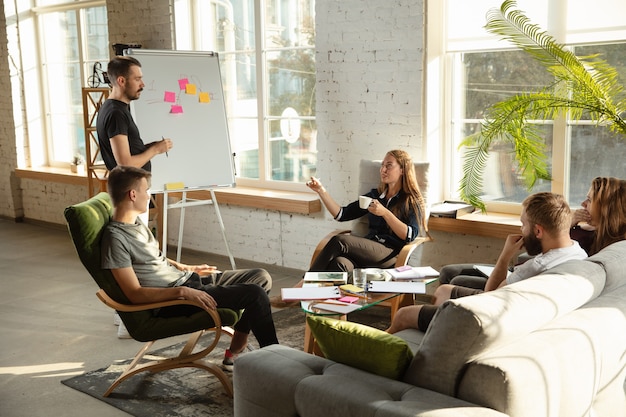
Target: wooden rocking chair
{"points": [[86, 222]]}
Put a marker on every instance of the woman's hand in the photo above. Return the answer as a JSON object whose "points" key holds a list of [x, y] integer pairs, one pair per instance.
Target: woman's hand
{"points": [[315, 185], [377, 209], [580, 216]]}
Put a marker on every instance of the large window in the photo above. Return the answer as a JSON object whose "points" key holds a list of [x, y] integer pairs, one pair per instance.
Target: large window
{"points": [[52, 50], [267, 62], [479, 70]]}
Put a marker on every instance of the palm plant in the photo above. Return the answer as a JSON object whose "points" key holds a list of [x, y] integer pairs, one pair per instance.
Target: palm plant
{"points": [[583, 86]]}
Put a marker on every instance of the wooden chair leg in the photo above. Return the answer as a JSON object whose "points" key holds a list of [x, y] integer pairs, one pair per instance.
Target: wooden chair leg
{"points": [[184, 359]]}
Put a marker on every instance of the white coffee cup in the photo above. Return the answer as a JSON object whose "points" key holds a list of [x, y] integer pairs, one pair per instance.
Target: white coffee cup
{"points": [[364, 201]]}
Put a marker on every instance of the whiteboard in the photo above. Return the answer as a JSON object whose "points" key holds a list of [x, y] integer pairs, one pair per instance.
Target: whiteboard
{"points": [[183, 100]]}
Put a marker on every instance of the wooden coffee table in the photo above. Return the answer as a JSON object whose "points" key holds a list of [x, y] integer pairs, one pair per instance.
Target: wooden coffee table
{"points": [[371, 300]]}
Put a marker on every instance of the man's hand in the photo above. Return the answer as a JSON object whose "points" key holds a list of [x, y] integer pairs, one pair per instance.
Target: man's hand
{"points": [[201, 297], [512, 246], [161, 146], [203, 270]]}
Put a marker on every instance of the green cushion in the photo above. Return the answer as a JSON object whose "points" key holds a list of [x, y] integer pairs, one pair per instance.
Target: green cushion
{"points": [[361, 346]]}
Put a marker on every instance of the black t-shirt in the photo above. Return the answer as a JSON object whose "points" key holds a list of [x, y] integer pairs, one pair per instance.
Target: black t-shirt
{"points": [[114, 118]]}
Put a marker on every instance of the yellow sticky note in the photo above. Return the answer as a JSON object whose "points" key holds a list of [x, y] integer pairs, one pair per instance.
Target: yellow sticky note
{"points": [[190, 89], [205, 97], [174, 186]]}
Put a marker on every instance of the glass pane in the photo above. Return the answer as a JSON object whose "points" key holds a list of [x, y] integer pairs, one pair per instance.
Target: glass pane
{"points": [[494, 76], [62, 76], [614, 55], [486, 78], [231, 34], [501, 179], [65, 74], [290, 64], [595, 152], [240, 95]]}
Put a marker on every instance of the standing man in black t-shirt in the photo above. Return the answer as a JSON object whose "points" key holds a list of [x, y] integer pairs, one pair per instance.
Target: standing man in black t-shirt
{"points": [[118, 135]]}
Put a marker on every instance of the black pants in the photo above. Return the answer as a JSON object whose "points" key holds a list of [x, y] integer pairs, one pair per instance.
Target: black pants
{"points": [[243, 291]]}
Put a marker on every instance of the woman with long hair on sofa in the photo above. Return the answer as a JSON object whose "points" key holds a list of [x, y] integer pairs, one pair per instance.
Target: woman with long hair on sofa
{"points": [[605, 208]]}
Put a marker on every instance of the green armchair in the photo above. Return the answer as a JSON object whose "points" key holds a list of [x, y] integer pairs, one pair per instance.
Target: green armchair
{"points": [[86, 221]]}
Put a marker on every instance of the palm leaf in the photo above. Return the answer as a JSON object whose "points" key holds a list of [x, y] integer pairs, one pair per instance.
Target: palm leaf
{"points": [[583, 87]]}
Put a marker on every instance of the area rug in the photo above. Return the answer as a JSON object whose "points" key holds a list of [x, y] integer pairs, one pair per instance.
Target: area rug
{"points": [[190, 392]]}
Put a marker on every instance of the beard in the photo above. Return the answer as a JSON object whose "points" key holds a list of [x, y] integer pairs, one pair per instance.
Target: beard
{"points": [[532, 245]]}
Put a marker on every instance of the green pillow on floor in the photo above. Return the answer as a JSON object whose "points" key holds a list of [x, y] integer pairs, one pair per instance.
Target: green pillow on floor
{"points": [[361, 346]]}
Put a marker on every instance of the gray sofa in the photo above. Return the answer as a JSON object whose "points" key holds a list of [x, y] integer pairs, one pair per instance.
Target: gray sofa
{"points": [[553, 345]]}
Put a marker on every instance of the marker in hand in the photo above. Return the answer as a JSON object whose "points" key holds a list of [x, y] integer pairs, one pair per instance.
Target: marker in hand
{"points": [[166, 154]]}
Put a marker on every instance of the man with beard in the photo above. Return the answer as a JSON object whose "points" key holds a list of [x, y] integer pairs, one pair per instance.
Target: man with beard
{"points": [[118, 135], [546, 221]]}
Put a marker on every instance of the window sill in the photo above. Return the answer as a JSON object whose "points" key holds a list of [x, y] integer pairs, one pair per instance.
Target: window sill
{"points": [[498, 225], [287, 201]]}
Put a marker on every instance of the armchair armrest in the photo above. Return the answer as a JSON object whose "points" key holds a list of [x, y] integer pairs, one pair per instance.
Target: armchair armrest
{"points": [[109, 302], [407, 250]]}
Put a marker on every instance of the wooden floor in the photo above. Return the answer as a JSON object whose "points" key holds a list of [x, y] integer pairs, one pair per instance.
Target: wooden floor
{"points": [[54, 327]]}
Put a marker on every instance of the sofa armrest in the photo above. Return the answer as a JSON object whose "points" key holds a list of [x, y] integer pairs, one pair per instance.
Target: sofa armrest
{"points": [[280, 381]]}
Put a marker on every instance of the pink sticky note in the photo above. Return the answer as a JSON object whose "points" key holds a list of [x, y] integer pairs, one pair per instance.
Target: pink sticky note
{"points": [[176, 109], [182, 83], [170, 97]]}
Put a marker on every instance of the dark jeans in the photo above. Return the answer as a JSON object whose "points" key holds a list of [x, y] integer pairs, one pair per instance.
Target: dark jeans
{"points": [[345, 252], [243, 291]]}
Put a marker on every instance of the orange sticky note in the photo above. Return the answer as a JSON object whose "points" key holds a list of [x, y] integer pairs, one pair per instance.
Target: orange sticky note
{"points": [[190, 89], [205, 97]]}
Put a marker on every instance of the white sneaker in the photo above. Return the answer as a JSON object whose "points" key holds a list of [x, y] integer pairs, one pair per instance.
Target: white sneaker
{"points": [[122, 333], [116, 319]]}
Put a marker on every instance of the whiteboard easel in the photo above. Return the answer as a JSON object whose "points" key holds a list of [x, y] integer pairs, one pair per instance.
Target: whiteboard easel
{"points": [[182, 204], [183, 100]]}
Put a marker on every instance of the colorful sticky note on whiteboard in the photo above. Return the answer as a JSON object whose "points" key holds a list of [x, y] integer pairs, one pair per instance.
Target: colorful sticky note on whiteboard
{"points": [[170, 97], [205, 97], [190, 89], [176, 109], [182, 83]]}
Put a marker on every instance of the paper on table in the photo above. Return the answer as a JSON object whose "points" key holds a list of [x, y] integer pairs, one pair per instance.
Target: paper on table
{"points": [[413, 273], [326, 276], [334, 306], [398, 286], [310, 293]]}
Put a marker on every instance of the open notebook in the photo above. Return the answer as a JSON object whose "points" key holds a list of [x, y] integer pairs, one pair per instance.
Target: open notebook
{"points": [[486, 270]]}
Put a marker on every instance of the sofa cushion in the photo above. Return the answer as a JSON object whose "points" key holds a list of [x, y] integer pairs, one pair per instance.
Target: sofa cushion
{"points": [[468, 327], [361, 346]]}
